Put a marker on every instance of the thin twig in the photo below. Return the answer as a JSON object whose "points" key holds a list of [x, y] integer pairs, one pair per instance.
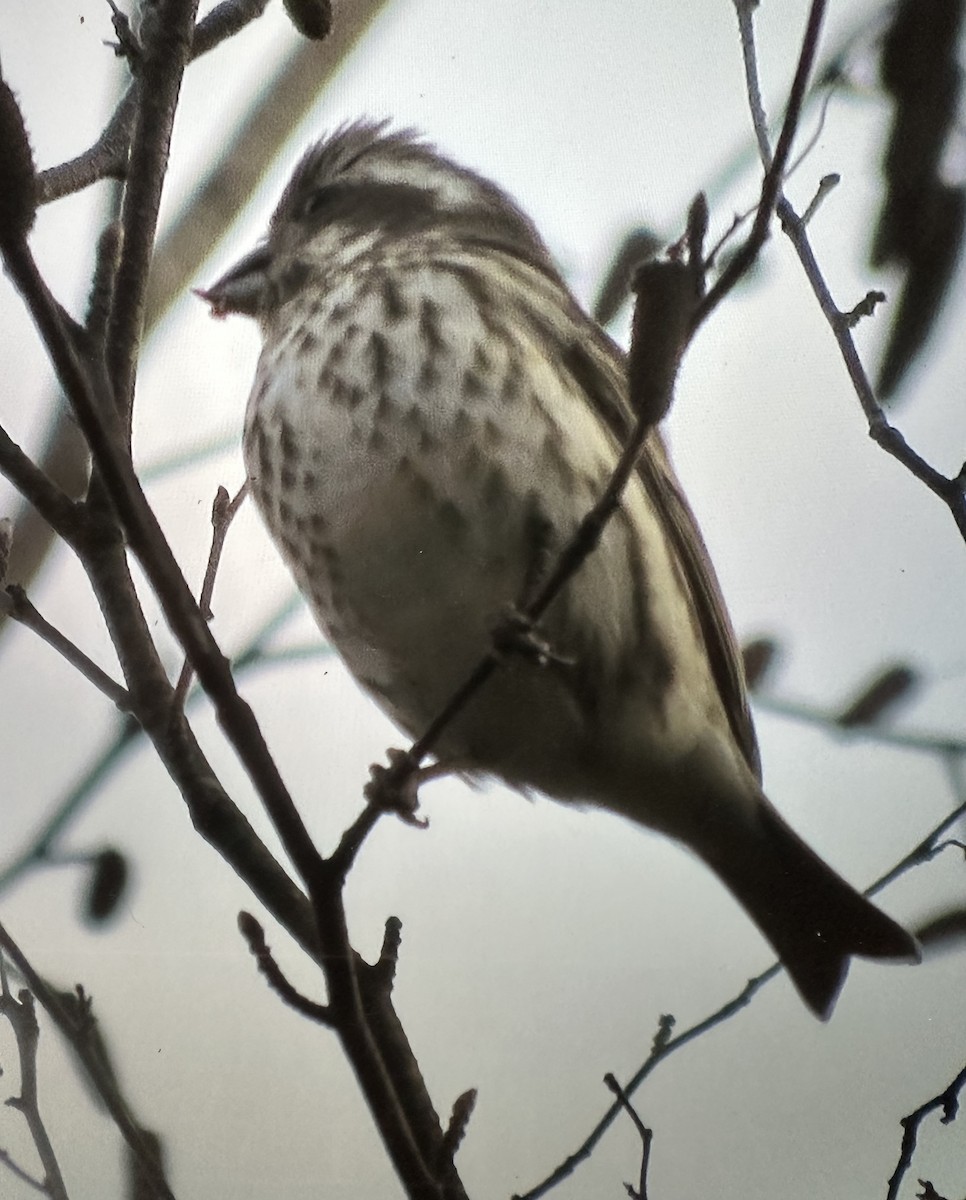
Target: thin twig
{"points": [[59, 511], [948, 1101], [107, 158], [102, 427], [813, 714], [774, 170], [661, 1050], [19, 1011], [385, 966], [21, 1174], [646, 1136], [344, 855], [15, 605], [951, 490], [254, 935], [223, 512], [75, 1033], [665, 1045], [459, 1120]]}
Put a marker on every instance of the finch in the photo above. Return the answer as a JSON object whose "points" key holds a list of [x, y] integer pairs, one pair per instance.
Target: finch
{"points": [[432, 415]]}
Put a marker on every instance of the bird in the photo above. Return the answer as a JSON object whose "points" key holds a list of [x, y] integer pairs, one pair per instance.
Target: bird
{"points": [[432, 415]]}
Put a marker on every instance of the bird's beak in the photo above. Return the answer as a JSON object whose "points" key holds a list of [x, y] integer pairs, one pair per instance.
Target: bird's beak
{"points": [[243, 289]]}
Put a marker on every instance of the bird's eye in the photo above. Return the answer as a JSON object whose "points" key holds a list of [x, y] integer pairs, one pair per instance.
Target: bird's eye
{"points": [[319, 200], [313, 203]]}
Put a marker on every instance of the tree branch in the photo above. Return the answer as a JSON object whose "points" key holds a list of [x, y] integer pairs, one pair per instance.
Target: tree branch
{"points": [[164, 56], [774, 167], [15, 604], [222, 514], [948, 1101], [76, 1034], [59, 511], [951, 490], [19, 1011]]}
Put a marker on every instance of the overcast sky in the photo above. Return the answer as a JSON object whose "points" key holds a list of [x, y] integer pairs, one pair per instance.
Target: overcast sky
{"points": [[540, 945]]}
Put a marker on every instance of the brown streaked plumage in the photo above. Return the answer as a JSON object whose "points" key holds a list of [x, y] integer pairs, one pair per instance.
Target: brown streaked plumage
{"points": [[431, 408]]}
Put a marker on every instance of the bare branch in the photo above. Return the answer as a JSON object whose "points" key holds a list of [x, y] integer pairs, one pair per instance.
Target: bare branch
{"points": [[164, 56], [948, 1101], [107, 158], [21, 1174], [826, 185], [77, 1033], [774, 167], [57, 508], [19, 1011], [646, 1136], [665, 1044], [951, 490], [222, 514], [254, 935], [663, 1047], [15, 604]]}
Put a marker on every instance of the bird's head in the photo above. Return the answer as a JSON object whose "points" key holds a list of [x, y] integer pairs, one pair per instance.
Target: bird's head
{"points": [[358, 193]]}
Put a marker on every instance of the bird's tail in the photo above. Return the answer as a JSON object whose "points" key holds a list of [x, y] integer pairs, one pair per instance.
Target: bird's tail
{"points": [[814, 920]]}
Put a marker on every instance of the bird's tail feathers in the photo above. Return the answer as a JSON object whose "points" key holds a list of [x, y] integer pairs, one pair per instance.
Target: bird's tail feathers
{"points": [[814, 920]]}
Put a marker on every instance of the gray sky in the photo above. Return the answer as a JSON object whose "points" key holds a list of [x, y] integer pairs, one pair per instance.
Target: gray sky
{"points": [[540, 944]]}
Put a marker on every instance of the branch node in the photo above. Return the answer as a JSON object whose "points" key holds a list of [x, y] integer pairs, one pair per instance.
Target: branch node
{"points": [[865, 308], [516, 635], [395, 788], [127, 45], [646, 1135]]}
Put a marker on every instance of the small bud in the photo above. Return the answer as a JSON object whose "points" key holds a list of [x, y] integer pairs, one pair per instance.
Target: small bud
{"points": [[312, 18], [883, 693], [663, 309], [107, 885], [758, 657]]}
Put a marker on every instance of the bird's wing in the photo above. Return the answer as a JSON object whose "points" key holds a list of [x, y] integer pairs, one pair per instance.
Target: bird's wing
{"points": [[599, 366]]}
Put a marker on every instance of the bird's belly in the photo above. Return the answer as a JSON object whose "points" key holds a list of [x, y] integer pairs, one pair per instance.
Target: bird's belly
{"points": [[407, 559], [407, 520]]}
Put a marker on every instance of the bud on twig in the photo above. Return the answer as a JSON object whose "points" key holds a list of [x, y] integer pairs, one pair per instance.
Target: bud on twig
{"points": [[312, 18], [758, 657], [883, 693], [107, 884]]}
